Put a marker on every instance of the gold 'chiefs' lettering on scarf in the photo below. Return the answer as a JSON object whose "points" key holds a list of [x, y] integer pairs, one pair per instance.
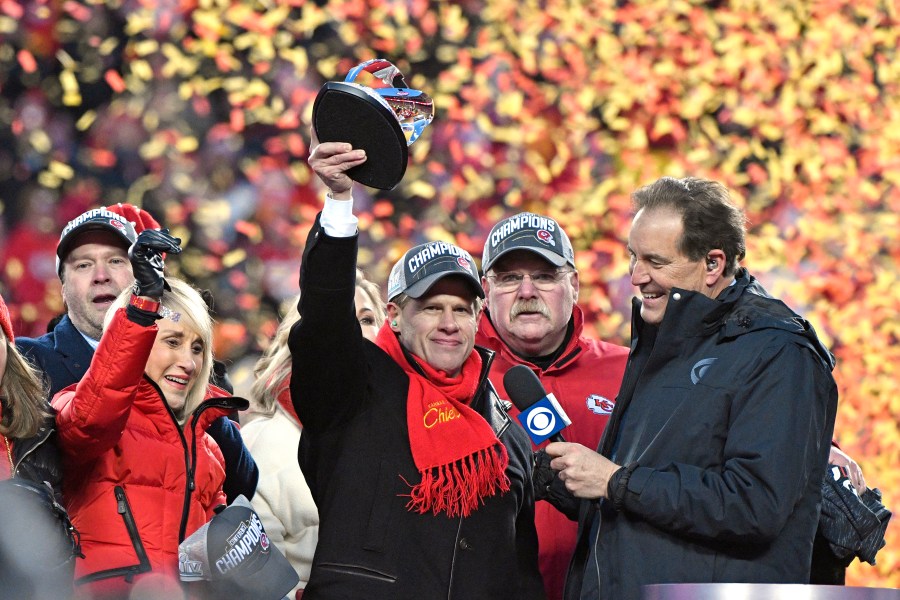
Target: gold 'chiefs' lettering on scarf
{"points": [[438, 415]]}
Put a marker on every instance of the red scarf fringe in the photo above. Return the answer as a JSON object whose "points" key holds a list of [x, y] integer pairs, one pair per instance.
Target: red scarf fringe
{"points": [[461, 462], [458, 489]]}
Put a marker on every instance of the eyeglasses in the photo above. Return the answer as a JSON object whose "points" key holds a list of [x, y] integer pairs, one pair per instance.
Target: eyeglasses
{"points": [[544, 281]]}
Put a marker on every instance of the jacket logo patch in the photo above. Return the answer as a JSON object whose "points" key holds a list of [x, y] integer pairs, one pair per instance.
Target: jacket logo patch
{"points": [[700, 369], [599, 405]]}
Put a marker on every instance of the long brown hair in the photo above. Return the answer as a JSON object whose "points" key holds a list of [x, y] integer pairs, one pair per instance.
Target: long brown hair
{"points": [[23, 393], [273, 369]]}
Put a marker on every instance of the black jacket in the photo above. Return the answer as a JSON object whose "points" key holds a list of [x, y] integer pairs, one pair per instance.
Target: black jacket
{"points": [[725, 415], [38, 530], [37, 458], [355, 453]]}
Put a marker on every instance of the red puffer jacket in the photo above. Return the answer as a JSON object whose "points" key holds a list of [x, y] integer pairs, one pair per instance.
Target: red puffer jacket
{"points": [[135, 483]]}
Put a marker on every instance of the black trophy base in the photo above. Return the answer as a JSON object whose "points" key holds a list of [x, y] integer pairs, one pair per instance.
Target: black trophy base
{"points": [[345, 113]]}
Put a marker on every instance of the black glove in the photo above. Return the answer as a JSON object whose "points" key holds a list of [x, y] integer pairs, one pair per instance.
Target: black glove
{"points": [[146, 256], [548, 486], [543, 475]]}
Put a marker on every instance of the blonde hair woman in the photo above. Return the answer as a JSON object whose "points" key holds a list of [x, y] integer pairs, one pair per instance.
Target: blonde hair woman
{"points": [[272, 432], [141, 473]]}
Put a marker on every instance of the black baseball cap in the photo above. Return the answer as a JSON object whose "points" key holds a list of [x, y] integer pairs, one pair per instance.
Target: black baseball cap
{"points": [[531, 232], [235, 558], [98, 219], [424, 265]]}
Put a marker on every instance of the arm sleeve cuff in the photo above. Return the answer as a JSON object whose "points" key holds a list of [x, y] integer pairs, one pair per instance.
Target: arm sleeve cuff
{"points": [[140, 316], [618, 485], [338, 219]]}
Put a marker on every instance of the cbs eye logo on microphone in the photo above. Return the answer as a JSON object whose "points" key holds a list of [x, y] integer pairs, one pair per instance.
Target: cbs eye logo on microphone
{"points": [[544, 420]]}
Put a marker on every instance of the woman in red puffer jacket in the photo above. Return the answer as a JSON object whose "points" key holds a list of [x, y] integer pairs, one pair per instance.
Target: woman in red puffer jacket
{"points": [[140, 473]]}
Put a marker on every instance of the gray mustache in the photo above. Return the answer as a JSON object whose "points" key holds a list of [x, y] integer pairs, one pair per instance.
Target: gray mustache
{"points": [[529, 306]]}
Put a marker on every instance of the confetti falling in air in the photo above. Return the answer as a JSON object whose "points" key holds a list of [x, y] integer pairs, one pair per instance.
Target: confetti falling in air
{"points": [[198, 110]]}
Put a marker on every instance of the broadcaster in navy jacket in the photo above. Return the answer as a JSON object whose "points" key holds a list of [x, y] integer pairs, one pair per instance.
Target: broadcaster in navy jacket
{"points": [[710, 469]]}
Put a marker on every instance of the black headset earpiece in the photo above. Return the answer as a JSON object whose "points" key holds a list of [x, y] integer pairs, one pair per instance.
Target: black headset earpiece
{"points": [[711, 264]]}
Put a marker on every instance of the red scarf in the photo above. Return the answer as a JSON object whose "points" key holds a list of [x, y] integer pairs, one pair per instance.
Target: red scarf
{"points": [[284, 399], [458, 455]]}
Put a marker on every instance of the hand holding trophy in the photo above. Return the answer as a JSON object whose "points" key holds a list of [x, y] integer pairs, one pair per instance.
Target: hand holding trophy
{"points": [[383, 121]]}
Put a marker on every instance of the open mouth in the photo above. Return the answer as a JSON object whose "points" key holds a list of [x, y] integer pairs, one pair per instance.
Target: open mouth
{"points": [[104, 299], [179, 381]]}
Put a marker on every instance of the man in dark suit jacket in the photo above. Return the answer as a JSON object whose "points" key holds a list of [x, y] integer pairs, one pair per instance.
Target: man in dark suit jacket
{"points": [[62, 354], [93, 265]]}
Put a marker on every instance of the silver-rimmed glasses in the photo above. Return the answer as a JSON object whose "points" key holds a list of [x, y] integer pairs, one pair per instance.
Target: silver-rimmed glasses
{"points": [[510, 281]]}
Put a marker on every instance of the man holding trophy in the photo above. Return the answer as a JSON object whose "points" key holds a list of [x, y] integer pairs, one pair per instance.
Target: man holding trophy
{"points": [[423, 483]]}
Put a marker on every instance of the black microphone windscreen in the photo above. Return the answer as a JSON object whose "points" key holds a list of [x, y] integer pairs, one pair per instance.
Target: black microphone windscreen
{"points": [[523, 386]]}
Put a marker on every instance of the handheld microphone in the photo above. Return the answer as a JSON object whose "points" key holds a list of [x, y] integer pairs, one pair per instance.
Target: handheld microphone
{"points": [[540, 413]]}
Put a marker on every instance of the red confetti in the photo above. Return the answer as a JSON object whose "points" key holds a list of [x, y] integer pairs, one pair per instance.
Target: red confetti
{"points": [[78, 11], [115, 81], [237, 119], [26, 59], [12, 9]]}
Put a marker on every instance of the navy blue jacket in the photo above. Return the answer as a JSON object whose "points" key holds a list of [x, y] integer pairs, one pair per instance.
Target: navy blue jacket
{"points": [[64, 356], [725, 414]]}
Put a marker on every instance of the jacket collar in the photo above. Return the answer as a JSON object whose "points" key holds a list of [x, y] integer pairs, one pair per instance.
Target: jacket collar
{"points": [[490, 338], [487, 402], [218, 403], [691, 314], [739, 309], [69, 341], [24, 447]]}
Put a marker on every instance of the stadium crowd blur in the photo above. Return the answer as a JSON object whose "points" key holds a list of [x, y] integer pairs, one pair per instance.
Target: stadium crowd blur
{"points": [[199, 113]]}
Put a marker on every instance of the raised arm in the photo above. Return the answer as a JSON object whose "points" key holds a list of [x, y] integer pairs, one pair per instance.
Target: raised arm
{"points": [[328, 366], [92, 416]]}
